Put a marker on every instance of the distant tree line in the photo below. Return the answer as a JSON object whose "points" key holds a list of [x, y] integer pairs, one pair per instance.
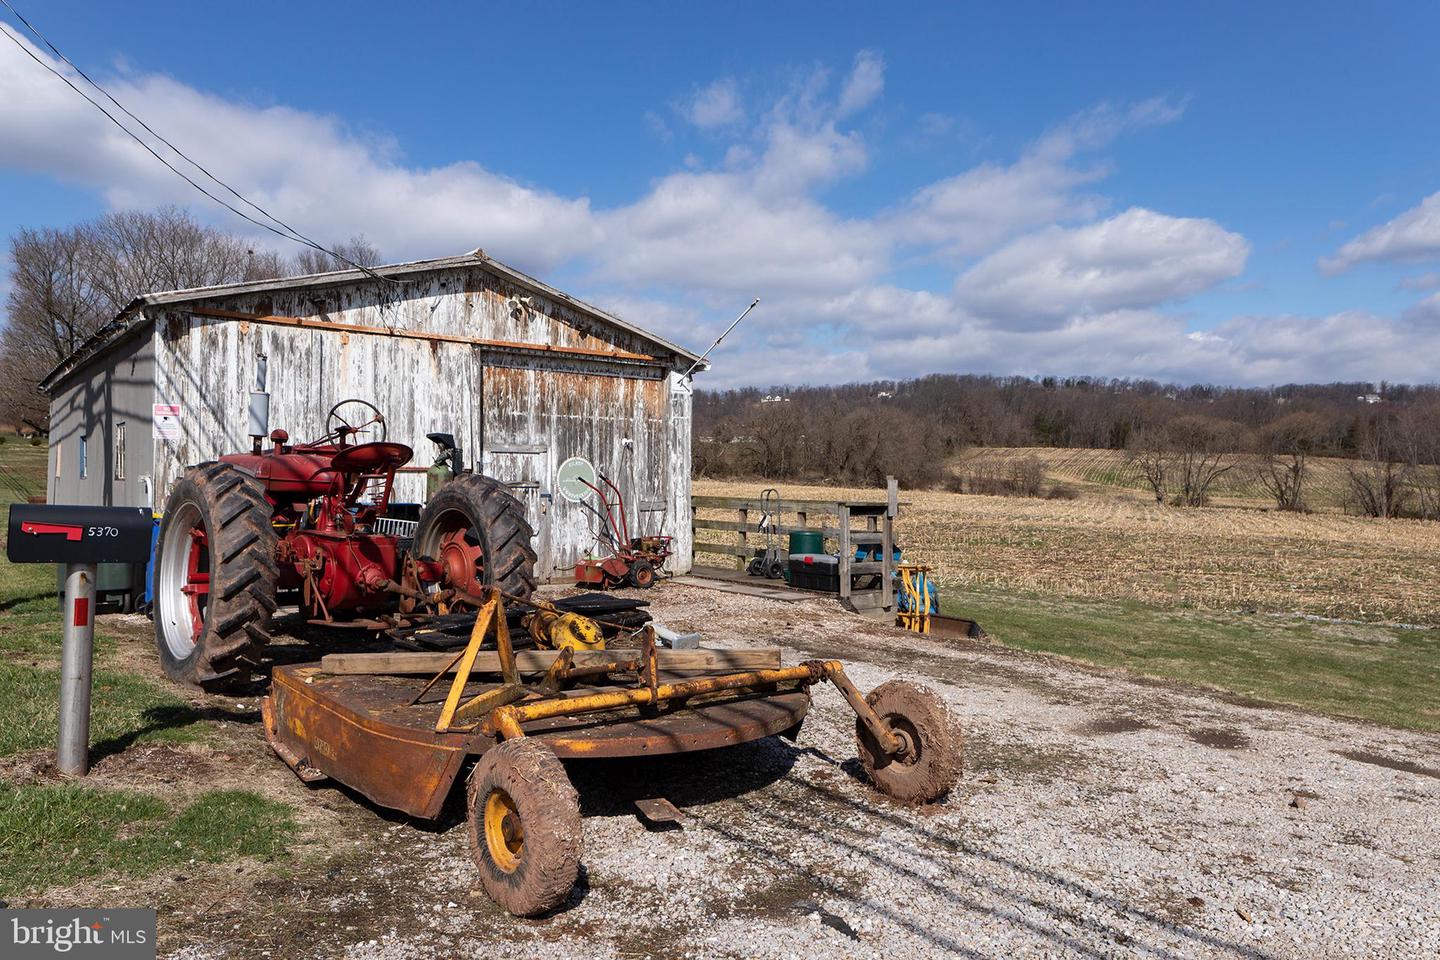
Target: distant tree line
{"points": [[68, 282], [1182, 439]]}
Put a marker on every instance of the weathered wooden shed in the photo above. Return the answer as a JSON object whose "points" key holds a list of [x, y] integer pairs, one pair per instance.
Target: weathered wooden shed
{"points": [[523, 375]]}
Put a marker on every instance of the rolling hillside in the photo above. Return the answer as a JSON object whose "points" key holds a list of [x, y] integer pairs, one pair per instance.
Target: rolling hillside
{"points": [[1325, 486]]}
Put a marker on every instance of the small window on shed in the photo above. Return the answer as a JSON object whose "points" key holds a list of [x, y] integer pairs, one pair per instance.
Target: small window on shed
{"points": [[119, 451], [84, 464]]}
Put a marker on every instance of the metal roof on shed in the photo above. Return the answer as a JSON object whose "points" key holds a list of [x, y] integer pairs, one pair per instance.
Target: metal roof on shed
{"points": [[114, 331]]}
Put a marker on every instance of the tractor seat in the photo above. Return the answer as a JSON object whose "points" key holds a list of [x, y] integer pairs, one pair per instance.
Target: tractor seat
{"points": [[378, 457]]}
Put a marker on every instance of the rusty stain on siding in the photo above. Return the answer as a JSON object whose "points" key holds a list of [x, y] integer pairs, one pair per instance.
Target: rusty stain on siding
{"points": [[517, 415]]}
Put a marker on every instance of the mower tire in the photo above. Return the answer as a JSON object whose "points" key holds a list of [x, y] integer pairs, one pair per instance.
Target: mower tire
{"points": [[641, 575], [931, 763], [524, 822], [215, 577]]}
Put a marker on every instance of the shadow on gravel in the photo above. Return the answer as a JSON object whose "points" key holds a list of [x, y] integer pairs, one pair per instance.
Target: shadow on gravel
{"points": [[611, 787], [950, 855]]}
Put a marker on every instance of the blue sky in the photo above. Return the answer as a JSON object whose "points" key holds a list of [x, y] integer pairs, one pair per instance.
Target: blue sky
{"points": [[1216, 192]]}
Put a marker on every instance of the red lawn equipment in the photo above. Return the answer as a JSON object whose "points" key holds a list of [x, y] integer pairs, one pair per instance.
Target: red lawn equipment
{"points": [[633, 560]]}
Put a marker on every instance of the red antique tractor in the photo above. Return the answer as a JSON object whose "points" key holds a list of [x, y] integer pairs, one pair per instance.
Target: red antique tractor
{"points": [[310, 518]]}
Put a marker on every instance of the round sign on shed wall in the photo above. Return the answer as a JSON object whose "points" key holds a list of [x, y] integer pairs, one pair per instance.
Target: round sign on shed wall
{"points": [[572, 477]]}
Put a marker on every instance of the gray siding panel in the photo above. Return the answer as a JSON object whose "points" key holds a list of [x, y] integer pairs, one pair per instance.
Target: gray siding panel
{"points": [[92, 404]]}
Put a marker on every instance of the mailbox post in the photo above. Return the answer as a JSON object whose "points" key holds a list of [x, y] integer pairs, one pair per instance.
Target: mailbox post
{"points": [[81, 538]]}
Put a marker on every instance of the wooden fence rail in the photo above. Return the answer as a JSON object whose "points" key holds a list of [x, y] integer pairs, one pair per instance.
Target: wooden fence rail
{"points": [[877, 517]]}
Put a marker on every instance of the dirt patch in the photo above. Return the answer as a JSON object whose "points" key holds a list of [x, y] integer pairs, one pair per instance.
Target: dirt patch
{"points": [[1219, 738], [787, 896], [1390, 763], [135, 768], [32, 766], [155, 763], [1180, 908], [1021, 759], [1105, 726]]}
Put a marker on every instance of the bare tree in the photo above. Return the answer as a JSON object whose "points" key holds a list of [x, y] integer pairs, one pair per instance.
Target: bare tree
{"points": [[1182, 460], [1149, 451], [67, 283], [1379, 479], [52, 307], [775, 429], [1204, 450], [1420, 445], [356, 250], [138, 251], [1285, 446]]}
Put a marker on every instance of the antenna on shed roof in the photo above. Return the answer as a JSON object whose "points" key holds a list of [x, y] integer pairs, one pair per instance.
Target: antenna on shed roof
{"points": [[689, 374]]}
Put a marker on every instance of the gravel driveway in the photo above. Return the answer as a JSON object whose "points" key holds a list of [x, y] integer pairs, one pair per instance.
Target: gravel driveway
{"points": [[1097, 816]]}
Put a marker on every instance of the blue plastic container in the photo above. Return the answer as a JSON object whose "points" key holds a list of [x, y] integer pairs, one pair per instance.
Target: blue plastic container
{"points": [[147, 596], [871, 551]]}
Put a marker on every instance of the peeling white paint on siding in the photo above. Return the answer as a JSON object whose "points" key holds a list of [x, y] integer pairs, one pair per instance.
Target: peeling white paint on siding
{"points": [[516, 416]]}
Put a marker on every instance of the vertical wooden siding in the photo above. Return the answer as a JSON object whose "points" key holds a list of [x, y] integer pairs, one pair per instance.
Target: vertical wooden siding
{"points": [[515, 416]]}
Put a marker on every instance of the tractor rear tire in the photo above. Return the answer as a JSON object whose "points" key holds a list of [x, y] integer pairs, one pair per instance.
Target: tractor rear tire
{"points": [[477, 530], [524, 823], [215, 577], [917, 715]]}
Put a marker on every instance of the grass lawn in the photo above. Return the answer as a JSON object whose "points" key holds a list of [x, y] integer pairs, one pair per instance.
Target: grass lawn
{"points": [[1368, 671], [57, 833], [126, 708], [54, 833]]}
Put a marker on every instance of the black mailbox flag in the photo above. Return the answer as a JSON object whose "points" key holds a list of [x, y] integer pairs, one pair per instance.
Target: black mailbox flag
{"points": [[66, 533]]}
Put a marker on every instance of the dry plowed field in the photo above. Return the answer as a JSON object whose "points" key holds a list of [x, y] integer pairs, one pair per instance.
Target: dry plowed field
{"points": [[1121, 547]]}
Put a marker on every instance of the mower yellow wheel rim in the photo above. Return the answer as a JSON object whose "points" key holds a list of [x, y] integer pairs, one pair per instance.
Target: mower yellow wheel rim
{"points": [[504, 835]]}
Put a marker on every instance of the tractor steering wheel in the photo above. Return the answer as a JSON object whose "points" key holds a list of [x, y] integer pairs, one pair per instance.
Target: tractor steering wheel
{"points": [[339, 425]]}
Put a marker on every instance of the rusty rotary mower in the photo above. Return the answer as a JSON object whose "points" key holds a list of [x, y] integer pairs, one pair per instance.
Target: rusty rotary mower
{"points": [[374, 722]]}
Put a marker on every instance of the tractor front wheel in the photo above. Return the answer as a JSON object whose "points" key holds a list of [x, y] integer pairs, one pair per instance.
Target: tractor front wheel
{"points": [[930, 763], [524, 820], [215, 577]]}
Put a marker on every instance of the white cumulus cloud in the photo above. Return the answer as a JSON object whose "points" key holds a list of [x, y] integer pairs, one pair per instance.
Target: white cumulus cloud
{"points": [[715, 105], [305, 167], [971, 212], [1412, 237], [1136, 259], [715, 232], [864, 84]]}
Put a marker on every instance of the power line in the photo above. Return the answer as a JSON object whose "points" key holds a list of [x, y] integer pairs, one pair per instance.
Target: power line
{"points": [[148, 129], [288, 232]]}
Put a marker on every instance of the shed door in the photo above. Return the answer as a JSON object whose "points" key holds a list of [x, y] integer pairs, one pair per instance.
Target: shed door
{"points": [[522, 468]]}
